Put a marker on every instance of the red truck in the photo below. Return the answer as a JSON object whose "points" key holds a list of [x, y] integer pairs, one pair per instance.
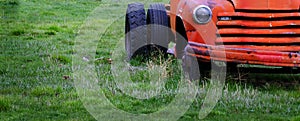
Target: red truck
{"points": [[255, 32]]}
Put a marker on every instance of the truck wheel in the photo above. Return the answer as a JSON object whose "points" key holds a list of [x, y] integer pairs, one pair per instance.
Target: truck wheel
{"points": [[181, 38], [135, 30], [158, 28], [190, 66]]}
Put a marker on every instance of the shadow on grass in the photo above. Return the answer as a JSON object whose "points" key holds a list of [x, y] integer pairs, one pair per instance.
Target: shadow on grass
{"points": [[9, 10], [266, 81], [9, 14]]}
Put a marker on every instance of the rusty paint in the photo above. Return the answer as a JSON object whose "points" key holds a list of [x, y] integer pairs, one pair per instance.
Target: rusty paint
{"points": [[267, 48], [267, 4], [246, 56], [259, 15], [262, 40], [249, 23], [258, 31]]}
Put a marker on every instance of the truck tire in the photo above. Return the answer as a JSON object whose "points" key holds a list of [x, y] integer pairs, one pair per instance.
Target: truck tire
{"points": [[158, 28], [181, 38], [135, 31], [190, 67]]}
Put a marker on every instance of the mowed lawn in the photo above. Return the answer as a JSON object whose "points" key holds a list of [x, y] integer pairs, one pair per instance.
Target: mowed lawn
{"points": [[36, 47]]}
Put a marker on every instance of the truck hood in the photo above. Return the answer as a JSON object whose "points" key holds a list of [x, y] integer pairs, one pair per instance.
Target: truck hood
{"points": [[267, 4]]}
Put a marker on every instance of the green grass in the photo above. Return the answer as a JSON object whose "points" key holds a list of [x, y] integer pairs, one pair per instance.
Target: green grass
{"points": [[35, 56], [36, 47]]}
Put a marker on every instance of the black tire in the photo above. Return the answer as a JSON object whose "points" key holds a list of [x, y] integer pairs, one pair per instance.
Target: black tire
{"points": [[194, 69], [190, 66], [181, 38], [158, 28], [135, 30]]}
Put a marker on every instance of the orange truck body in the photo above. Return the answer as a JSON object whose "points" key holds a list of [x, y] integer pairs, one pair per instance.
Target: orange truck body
{"points": [[262, 32]]}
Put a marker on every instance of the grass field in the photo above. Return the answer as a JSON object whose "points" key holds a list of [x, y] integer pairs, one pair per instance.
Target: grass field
{"points": [[36, 48]]}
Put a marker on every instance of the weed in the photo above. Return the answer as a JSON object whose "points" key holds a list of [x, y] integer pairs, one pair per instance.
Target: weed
{"points": [[55, 28], [61, 59], [10, 2], [297, 118], [68, 42], [46, 91], [5, 104], [18, 32], [50, 33]]}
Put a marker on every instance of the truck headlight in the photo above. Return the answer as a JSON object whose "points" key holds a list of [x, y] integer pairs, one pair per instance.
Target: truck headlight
{"points": [[202, 14]]}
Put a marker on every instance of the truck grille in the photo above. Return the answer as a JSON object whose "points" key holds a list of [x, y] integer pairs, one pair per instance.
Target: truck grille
{"points": [[269, 30]]}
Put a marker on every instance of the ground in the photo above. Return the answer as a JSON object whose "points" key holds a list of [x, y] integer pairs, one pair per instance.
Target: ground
{"points": [[36, 47]]}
